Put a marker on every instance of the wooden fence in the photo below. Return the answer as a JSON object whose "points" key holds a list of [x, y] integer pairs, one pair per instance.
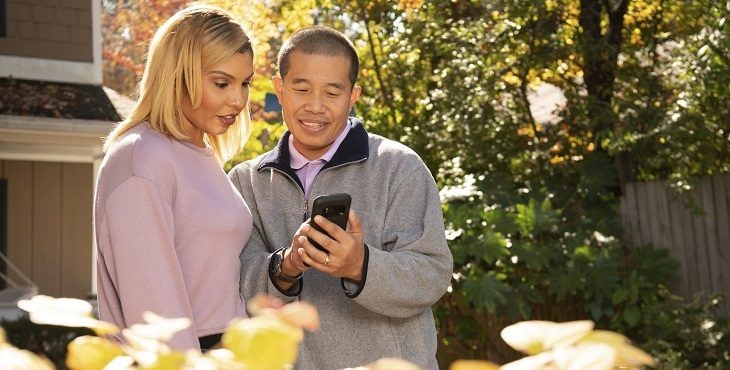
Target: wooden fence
{"points": [[694, 227]]}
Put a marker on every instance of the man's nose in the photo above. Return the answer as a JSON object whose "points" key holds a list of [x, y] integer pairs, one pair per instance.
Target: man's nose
{"points": [[314, 104]]}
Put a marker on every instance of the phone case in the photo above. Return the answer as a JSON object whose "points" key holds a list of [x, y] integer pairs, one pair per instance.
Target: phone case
{"points": [[333, 207]]}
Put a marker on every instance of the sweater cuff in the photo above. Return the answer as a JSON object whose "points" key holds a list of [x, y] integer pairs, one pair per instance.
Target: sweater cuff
{"points": [[351, 288], [296, 288]]}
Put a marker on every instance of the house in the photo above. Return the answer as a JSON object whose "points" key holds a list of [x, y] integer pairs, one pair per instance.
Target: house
{"points": [[54, 113]]}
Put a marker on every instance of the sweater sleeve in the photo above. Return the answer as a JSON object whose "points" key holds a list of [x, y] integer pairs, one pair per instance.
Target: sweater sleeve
{"points": [[413, 269], [148, 275], [256, 256]]}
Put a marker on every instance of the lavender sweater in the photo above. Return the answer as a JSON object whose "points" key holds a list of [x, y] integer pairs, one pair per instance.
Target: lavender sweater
{"points": [[170, 227]]}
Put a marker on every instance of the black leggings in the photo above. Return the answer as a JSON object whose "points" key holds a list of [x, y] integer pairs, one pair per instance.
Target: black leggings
{"points": [[209, 341]]}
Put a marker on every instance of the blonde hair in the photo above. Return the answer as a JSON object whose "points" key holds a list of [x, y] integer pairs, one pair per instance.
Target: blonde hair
{"points": [[190, 42]]}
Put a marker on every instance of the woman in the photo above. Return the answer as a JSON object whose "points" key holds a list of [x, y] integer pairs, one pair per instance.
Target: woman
{"points": [[169, 224]]}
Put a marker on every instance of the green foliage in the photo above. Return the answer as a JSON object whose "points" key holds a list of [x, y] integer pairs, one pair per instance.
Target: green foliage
{"points": [[687, 335], [538, 233]]}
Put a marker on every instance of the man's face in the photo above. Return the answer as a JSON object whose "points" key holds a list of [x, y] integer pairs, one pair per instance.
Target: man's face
{"points": [[316, 97]]}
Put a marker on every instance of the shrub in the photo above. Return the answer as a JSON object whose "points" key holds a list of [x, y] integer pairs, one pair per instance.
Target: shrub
{"points": [[45, 340]]}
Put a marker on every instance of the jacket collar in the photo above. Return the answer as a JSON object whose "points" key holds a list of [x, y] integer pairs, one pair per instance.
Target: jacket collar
{"points": [[354, 148]]}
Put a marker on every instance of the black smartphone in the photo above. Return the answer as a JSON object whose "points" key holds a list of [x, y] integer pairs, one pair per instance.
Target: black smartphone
{"points": [[333, 207]]}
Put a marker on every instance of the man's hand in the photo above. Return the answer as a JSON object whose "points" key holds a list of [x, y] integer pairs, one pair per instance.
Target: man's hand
{"points": [[292, 263], [345, 249]]}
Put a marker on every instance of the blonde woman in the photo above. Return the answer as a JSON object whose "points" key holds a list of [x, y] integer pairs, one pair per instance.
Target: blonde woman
{"points": [[169, 224]]}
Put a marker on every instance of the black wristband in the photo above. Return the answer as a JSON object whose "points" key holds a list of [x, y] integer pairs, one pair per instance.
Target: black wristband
{"points": [[276, 269]]}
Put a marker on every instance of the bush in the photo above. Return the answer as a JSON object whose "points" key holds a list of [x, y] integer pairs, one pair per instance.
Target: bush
{"points": [[688, 335], [46, 340]]}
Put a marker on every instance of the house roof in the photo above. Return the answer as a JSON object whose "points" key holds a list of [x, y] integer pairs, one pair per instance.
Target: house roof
{"points": [[19, 97]]}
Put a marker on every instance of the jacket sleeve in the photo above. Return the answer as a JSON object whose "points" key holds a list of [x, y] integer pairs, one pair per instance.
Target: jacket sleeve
{"points": [[413, 268], [256, 256], [148, 276]]}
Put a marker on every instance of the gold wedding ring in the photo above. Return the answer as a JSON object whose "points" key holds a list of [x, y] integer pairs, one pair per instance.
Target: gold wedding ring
{"points": [[327, 260]]}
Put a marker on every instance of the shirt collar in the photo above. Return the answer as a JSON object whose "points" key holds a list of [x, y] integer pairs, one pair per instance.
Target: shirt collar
{"points": [[298, 160]]}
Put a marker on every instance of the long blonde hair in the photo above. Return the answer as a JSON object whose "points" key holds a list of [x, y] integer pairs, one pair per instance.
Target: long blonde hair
{"points": [[190, 42]]}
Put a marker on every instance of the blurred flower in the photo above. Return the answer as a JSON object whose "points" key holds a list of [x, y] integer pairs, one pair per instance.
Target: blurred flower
{"points": [[299, 314], [627, 356], [388, 364], [90, 353], [218, 359], [264, 342], [158, 328], [65, 312], [19, 359], [473, 365], [535, 336], [571, 346]]}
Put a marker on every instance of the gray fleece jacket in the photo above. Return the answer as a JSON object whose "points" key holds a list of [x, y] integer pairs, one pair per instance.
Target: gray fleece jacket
{"points": [[408, 264]]}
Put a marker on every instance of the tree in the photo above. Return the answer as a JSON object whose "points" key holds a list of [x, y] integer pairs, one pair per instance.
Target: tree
{"points": [[533, 222]]}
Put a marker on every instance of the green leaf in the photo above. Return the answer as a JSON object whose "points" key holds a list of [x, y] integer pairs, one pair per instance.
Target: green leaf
{"points": [[536, 217], [632, 315], [486, 291]]}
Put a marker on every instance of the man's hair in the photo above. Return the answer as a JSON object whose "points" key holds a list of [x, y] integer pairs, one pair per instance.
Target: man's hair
{"points": [[192, 41], [319, 40]]}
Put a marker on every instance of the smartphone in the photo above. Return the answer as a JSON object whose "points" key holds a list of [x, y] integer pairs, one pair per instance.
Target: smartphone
{"points": [[333, 207]]}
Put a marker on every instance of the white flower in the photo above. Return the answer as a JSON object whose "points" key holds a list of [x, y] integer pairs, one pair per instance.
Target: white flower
{"points": [[65, 312], [536, 336]]}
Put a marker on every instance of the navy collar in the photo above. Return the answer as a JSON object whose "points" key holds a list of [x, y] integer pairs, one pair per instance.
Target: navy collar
{"points": [[353, 149]]}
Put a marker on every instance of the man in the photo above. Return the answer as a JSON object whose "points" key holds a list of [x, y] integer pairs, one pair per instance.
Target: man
{"points": [[376, 282]]}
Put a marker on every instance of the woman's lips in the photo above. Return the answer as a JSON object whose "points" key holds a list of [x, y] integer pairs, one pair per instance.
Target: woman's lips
{"points": [[228, 120]]}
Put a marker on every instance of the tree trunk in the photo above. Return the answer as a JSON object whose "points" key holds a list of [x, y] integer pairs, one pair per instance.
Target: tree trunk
{"points": [[600, 55]]}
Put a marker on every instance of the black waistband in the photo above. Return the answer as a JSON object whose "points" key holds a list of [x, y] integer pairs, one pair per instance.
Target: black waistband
{"points": [[207, 342]]}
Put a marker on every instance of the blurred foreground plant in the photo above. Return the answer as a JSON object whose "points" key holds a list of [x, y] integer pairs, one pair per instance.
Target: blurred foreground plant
{"points": [[565, 346], [269, 340]]}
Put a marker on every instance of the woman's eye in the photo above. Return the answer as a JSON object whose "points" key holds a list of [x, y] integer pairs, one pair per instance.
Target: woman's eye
{"points": [[221, 85], [246, 83]]}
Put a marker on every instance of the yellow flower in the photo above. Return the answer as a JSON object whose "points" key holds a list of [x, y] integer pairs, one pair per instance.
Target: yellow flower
{"points": [[65, 312], [627, 356], [89, 353], [299, 314], [3, 338], [263, 343], [473, 365]]}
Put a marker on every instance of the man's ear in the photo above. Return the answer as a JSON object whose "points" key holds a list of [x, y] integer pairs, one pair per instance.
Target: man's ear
{"points": [[354, 95], [277, 82]]}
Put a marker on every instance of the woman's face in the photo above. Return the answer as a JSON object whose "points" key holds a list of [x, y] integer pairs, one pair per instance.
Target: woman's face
{"points": [[225, 94]]}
